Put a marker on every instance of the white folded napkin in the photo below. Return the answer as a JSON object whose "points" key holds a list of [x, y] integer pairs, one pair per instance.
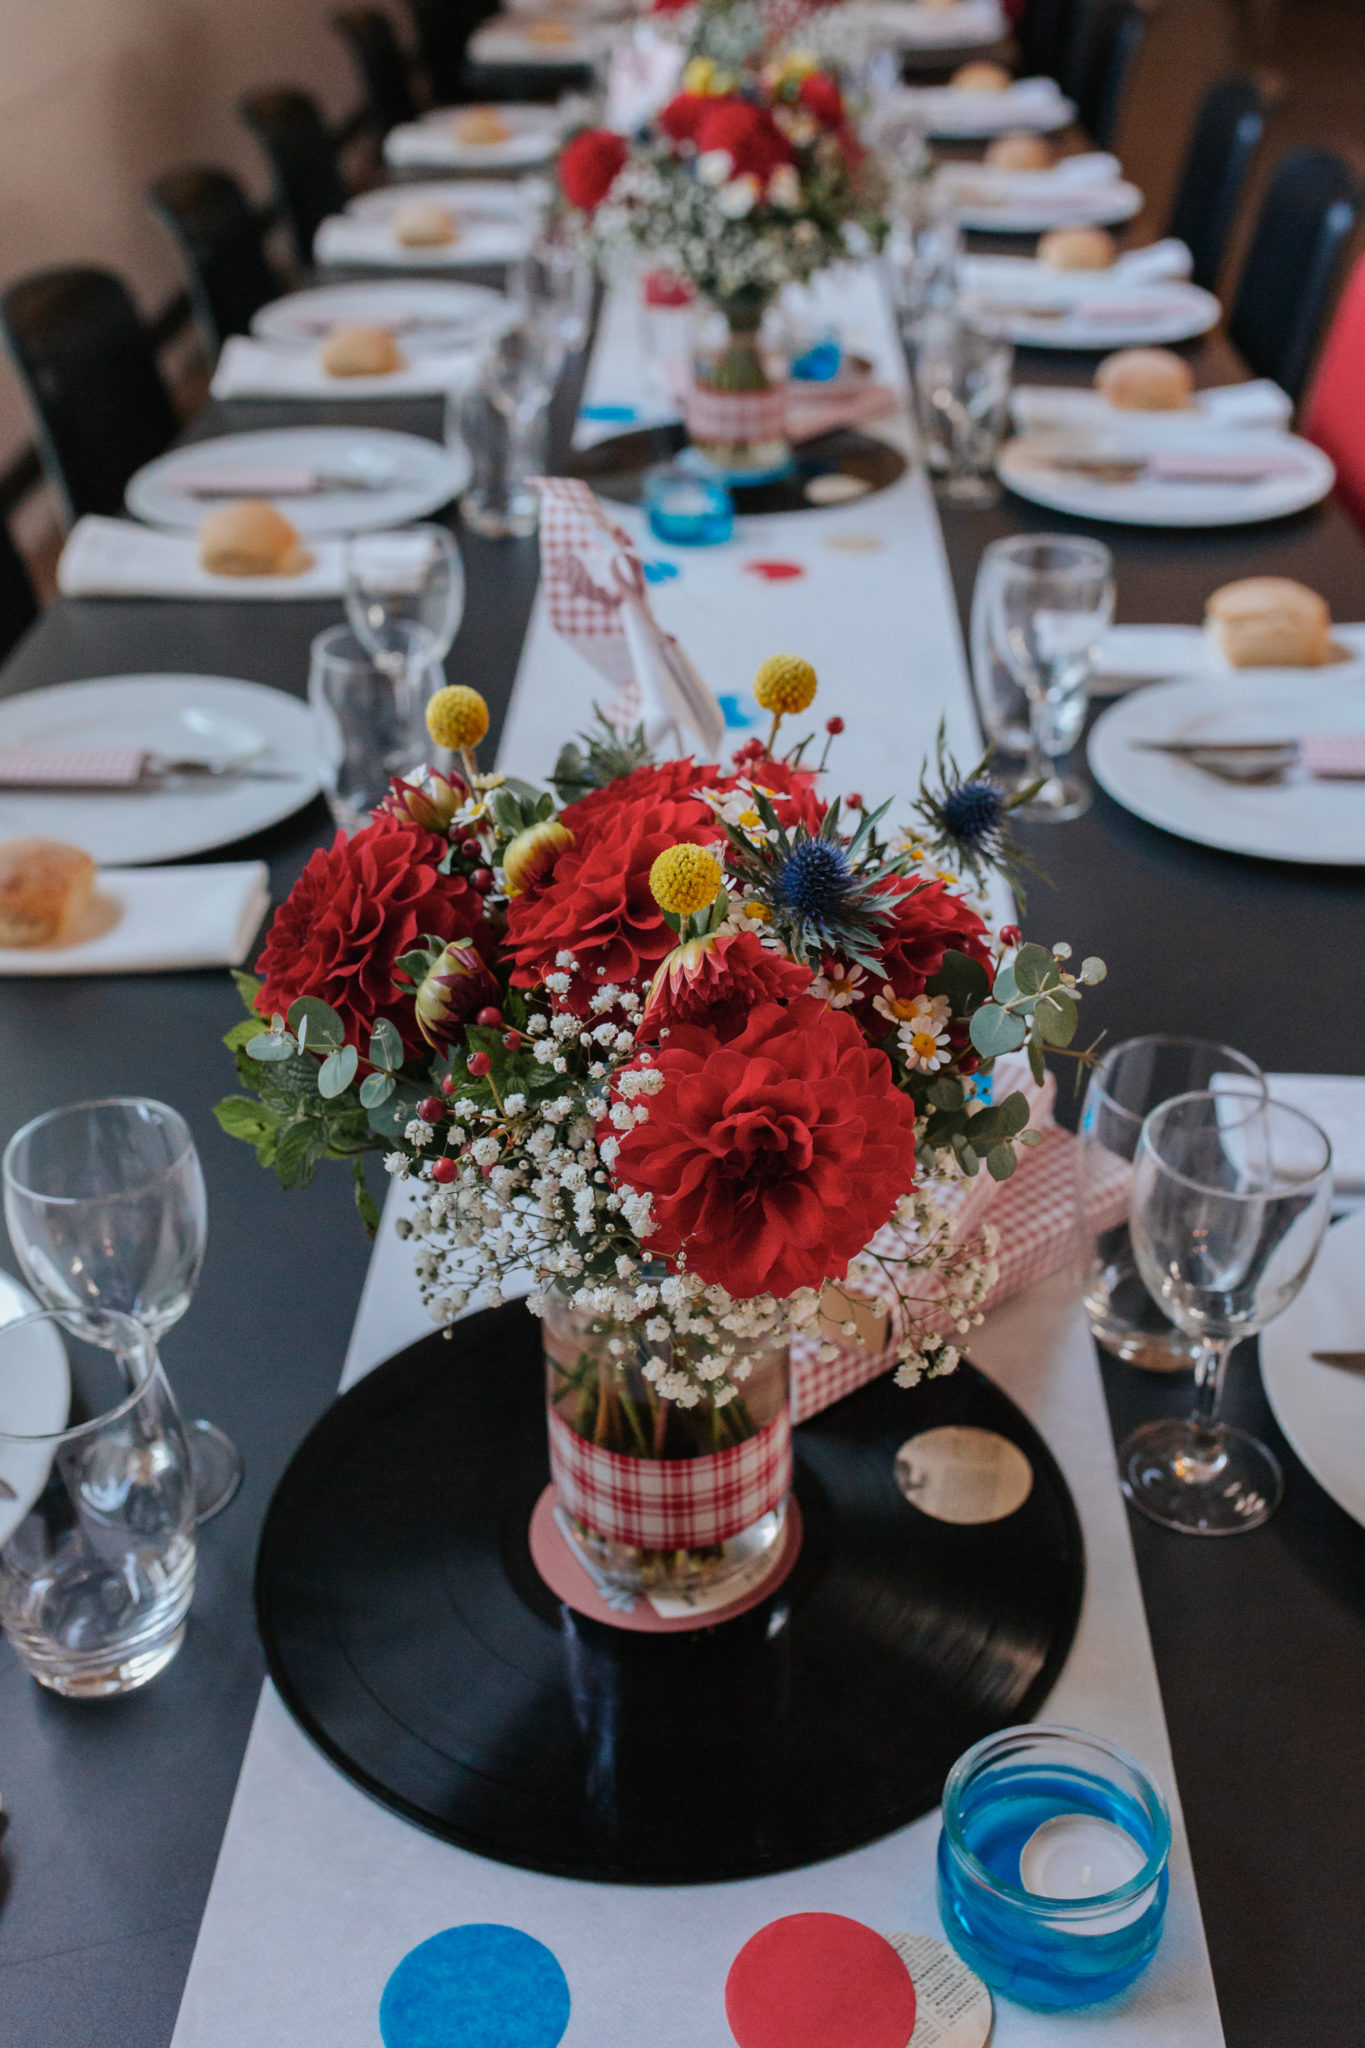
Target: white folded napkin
{"points": [[258, 369], [345, 238], [155, 920], [433, 142], [117, 558], [1258, 403], [504, 40], [1336, 1103], [1156, 263]]}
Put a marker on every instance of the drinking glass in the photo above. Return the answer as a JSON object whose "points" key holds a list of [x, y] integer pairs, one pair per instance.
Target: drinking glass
{"points": [[923, 253], [410, 577], [369, 721], [1127, 1084], [97, 1503], [106, 1211], [1231, 1195], [962, 389], [551, 285], [1042, 605], [506, 424]]}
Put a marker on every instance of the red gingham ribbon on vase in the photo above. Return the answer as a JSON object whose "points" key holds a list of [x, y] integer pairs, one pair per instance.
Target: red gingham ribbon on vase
{"points": [[671, 1503], [736, 415]]}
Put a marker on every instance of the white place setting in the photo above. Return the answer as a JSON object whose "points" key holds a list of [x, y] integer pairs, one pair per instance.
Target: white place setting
{"points": [[1052, 408], [939, 24], [421, 315], [122, 558], [328, 480], [445, 224], [542, 39], [511, 135], [263, 369], [952, 113], [260, 738], [1313, 1357], [1080, 191], [1212, 477], [156, 921]]}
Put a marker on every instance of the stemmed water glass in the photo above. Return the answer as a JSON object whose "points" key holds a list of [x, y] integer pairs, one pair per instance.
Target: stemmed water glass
{"points": [[106, 1210], [1231, 1195], [1041, 608], [414, 578]]}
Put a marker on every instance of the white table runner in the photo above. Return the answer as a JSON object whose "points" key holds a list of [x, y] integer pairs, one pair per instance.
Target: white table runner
{"points": [[319, 1893]]}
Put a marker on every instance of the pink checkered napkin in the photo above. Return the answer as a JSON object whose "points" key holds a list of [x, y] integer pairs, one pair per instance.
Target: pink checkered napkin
{"points": [[587, 567], [71, 767], [671, 1503], [1334, 756]]}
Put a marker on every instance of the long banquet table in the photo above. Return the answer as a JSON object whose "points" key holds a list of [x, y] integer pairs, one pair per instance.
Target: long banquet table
{"points": [[116, 1811]]}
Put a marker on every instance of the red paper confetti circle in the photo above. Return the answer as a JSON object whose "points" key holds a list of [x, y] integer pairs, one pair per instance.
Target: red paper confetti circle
{"points": [[817, 1980], [775, 572]]}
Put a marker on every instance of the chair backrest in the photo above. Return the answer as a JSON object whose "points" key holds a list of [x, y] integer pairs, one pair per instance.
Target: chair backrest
{"points": [[92, 378], [443, 29], [384, 81], [1334, 415], [303, 160], [1116, 32], [18, 606], [1226, 135], [1044, 32], [1306, 218], [221, 243]]}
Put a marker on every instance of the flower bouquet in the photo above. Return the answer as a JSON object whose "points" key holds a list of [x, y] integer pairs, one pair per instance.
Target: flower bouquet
{"points": [[747, 180], [669, 1044]]}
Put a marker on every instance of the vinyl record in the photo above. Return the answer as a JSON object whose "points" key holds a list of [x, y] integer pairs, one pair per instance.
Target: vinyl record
{"points": [[410, 1636], [615, 467]]}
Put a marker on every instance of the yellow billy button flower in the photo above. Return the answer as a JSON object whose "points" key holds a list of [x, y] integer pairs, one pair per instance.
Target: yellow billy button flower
{"points": [[457, 717], [533, 852], [784, 683], [685, 878]]}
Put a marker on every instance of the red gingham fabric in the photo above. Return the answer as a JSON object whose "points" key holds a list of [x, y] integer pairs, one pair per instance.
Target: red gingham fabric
{"points": [[587, 566], [736, 415], [71, 767], [671, 1503], [1339, 754]]}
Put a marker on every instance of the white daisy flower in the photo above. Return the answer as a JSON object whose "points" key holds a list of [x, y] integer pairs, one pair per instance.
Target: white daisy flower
{"points": [[838, 984]]}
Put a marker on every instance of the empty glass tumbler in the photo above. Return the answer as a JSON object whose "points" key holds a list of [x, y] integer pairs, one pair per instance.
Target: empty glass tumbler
{"points": [[97, 1506], [369, 719], [962, 393]]}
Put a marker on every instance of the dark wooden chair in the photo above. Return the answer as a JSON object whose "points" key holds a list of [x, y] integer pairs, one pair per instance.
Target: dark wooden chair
{"points": [[1110, 43], [385, 85], [443, 29], [1306, 219], [18, 605], [1223, 143], [302, 153], [89, 367], [1044, 34], [221, 242]]}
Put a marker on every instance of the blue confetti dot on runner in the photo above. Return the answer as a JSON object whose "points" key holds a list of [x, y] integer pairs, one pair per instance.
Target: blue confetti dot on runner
{"points": [[606, 414], [481, 1986], [736, 717], [661, 572]]}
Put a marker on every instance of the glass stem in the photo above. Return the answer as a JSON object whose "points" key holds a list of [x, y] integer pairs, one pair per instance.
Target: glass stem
{"points": [[1039, 765], [1209, 1369]]}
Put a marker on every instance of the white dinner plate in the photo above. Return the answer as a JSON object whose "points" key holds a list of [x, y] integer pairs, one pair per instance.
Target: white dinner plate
{"points": [[35, 1400], [533, 136], [189, 717], [1129, 316], [398, 477], [372, 245], [966, 25], [445, 315], [1301, 819], [953, 115], [1151, 501], [505, 40], [986, 201], [1321, 1408]]}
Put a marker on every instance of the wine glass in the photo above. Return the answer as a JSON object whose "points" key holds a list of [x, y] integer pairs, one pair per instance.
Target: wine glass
{"points": [[1231, 1195], [414, 578], [1045, 603], [519, 376], [551, 286], [962, 388], [106, 1210]]}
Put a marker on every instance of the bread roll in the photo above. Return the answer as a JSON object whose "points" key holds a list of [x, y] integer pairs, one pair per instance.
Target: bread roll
{"points": [[981, 76], [550, 31], [421, 224], [250, 538], [361, 352], [480, 125], [1020, 153], [1146, 380], [1078, 249], [1270, 622], [45, 890]]}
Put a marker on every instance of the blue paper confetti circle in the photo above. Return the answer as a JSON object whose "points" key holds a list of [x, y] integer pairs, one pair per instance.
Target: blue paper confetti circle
{"points": [[482, 1986]]}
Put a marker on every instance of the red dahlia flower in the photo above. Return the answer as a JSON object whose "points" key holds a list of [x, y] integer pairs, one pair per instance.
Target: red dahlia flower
{"points": [[588, 165], [773, 1158], [661, 782], [929, 921], [680, 119], [793, 789], [718, 981], [356, 907], [821, 96], [748, 134]]}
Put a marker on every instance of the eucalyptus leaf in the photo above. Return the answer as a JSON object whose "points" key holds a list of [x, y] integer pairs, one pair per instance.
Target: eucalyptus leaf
{"points": [[1005, 987], [325, 1029], [995, 1031], [337, 1071], [1037, 1066], [376, 1089], [386, 1047], [266, 1046], [1054, 1017], [1032, 965], [1000, 1162]]}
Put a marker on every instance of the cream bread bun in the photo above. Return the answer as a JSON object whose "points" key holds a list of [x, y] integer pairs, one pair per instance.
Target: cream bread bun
{"points": [[421, 224], [1270, 622], [1077, 249], [1020, 153], [45, 888], [250, 538], [361, 352], [480, 125], [1146, 380], [981, 75]]}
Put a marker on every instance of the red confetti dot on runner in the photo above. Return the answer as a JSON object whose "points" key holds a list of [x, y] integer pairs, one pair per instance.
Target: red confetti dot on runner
{"points": [[775, 572], [818, 1980]]}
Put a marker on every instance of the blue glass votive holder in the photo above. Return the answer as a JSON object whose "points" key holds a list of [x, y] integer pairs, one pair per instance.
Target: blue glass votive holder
{"points": [[687, 508], [1052, 1865]]}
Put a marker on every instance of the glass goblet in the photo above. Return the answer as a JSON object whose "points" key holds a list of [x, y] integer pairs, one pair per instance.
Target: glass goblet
{"points": [[106, 1210], [1231, 1195], [412, 577]]}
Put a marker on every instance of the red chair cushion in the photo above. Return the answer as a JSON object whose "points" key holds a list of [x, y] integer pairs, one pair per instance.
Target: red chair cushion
{"points": [[1334, 414]]}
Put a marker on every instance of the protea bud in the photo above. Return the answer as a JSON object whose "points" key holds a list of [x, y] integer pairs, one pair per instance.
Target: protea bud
{"points": [[533, 852], [458, 984], [432, 803]]}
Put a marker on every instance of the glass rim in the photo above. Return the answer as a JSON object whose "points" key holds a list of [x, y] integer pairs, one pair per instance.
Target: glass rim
{"points": [[1042, 1902], [1139, 1116], [1012, 547], [1265, 1102], [140, 1344], [11, 1178], [323, 645]]}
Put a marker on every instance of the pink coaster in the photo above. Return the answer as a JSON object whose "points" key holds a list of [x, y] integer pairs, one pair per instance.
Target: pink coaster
{"points": [[569, 1581]]}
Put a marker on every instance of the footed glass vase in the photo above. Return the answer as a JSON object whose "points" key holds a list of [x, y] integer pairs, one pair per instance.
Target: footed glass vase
{"points": [[737, 399], [675, 1503]]}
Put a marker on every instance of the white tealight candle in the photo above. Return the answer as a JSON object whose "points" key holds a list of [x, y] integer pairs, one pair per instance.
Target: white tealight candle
{"points": [[1078, 1856]]}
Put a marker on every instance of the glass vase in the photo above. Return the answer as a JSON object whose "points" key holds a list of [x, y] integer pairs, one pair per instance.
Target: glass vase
{"points": [[737, 400], [676, 1503]]}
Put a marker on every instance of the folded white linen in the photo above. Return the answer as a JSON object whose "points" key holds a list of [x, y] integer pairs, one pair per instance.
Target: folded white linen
{"points": [[370, 243], [156, 920], [1156, 263], [433, 143], [1026, 103], [967, 23], [504, 40], [258, 369], [1336, 1102], [1024, 280], [1258, 403], [118, 558]]}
